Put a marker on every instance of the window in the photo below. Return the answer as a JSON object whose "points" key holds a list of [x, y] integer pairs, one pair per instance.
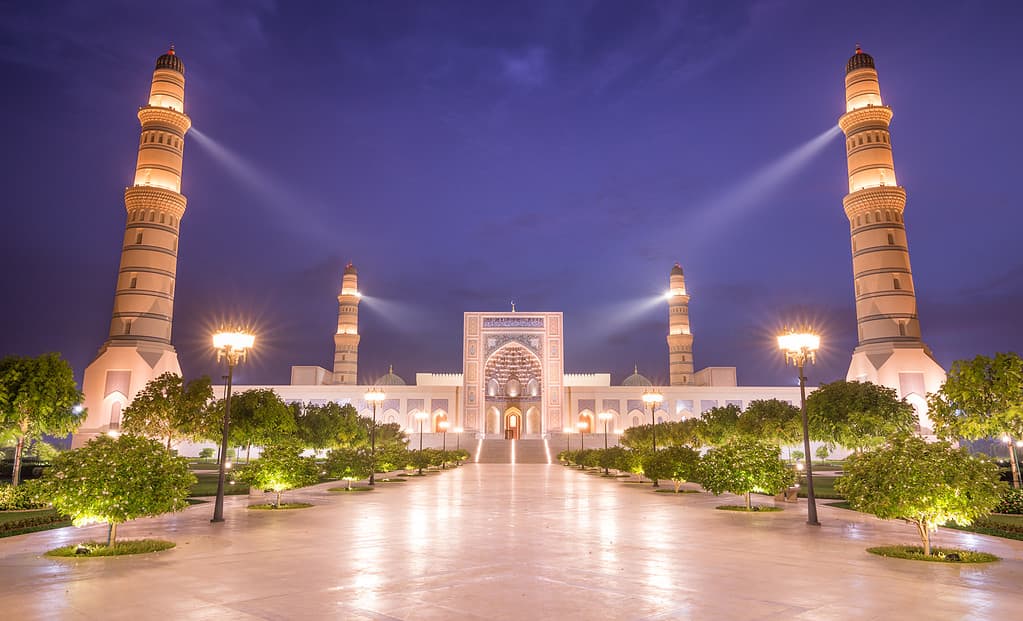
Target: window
{"points": [[134, 282], [127, 327], [896, 284], [138, 238], [163, 218], [152, 216], [866, 218], [160, 139], [891, 239], [887, 216]]}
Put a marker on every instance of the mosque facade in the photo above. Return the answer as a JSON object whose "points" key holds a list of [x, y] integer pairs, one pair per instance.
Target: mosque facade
{"points": [[513, 382]]}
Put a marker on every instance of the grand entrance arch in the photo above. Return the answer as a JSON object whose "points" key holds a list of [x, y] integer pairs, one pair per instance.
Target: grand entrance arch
{"points": [[513, 376]]}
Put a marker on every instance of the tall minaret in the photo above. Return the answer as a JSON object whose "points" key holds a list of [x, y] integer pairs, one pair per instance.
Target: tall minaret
{"points": [[346, 340], [680, 339], [891, 351], [138, 347]]}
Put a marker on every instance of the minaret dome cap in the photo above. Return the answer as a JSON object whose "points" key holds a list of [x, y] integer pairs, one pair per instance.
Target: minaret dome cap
{"points": [[859, 60], [171, 61], [677, 270], [350, 269]]}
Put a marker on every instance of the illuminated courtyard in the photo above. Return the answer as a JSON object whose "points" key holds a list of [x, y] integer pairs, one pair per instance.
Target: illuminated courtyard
{"points": [[508, 542]]}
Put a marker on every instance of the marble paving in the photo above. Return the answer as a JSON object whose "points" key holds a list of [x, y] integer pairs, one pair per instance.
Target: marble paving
{"points": [[508, 542]]}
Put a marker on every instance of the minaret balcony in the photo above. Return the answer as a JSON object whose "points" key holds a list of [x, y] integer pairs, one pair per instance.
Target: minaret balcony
{"points": [[154, 197], [870, 116], [871, 199], [152, 115]]}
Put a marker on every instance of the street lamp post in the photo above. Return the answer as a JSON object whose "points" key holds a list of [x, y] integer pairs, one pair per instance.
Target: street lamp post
{"points": [[605, 416], [800, 347], [421, 417], [374, 396], [581, 425], [231, 346], [653, 398], [444, 439]]}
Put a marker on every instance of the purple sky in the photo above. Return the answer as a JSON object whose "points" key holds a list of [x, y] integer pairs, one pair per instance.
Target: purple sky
{"points": [[464, 154]]}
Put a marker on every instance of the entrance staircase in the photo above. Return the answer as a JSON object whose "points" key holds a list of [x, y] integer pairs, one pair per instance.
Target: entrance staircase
{"points": [[513, 452]]}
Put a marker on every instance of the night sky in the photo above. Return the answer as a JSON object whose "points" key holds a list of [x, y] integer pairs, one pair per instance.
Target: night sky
{"points": [[563, 155]]}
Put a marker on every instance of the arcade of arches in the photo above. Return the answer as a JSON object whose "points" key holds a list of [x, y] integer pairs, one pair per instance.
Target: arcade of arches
{"points": [[514, 392]]}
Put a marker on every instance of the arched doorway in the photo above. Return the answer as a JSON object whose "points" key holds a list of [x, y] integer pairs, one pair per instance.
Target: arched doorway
{"points": [[586, 417], [532, 421], [512, 424], [493, 422]]}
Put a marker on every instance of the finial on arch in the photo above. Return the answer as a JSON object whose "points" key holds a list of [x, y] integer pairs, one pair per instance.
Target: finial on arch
{"points": [[513, 305], [635, 369]]}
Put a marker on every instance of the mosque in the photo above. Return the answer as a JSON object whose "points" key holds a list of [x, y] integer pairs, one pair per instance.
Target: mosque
{"points": [[513, 382]]}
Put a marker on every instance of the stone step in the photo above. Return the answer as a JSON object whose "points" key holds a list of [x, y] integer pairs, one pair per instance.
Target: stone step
{"points": [[525, 451]]}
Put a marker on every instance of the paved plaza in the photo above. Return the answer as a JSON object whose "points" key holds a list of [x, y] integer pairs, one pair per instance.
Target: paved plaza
{"points": [[508, 542]]}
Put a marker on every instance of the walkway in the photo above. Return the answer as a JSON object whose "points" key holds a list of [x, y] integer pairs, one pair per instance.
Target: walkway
{"points": [[508, 542]]}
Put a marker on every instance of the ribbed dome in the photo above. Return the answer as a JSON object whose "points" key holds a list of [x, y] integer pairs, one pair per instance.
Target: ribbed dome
{"points": [[859, 60], [171, 61], [677, 270], [350, 269], [391, 379], [636, 379]]}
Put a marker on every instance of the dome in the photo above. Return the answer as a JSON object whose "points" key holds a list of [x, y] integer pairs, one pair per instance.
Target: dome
{"points": [[350, 269], [636, 379], [677, 270], [391, 379], [170, 61], [859, 60]]}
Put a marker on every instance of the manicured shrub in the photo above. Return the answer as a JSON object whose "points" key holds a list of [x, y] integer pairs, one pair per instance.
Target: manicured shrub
{"points": [[1011, 502]]}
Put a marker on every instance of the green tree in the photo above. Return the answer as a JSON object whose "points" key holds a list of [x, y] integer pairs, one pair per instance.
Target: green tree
{"points": [[858, 415], [111, 481], [279, 468], [391, 457], [771, 420], [926, 484], [743, 466], [823, 451], [720, 424], [420, 459], [675, 463], [349, 464], [331, 425], [259, 417], [37, 396], [171, 410], [981, 398], [680, 433]]}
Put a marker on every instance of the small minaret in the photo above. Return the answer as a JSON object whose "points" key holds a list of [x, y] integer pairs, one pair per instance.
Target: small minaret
{"points": [[891, 351], [680, 339], [138, 347], [346, 340]]}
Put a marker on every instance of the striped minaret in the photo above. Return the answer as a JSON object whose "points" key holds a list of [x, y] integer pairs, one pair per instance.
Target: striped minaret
{"points": [[891, 350], [346, 340], [138, 346], [680, 339]]}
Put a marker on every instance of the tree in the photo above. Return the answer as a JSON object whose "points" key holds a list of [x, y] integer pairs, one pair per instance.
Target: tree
{"points": [[823, 451], [771, 420], [280, 467], [720, 424], [349, 464], [676, 463], [37, 396], [980, 398], [743, 466], [259, 417], [680, 433], [331, 425], [171, 410], [926, 484], [111, 481], [858, 415], [391, 457]]}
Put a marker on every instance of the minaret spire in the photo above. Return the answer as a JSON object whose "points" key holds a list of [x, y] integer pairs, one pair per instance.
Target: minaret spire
{"points": [[891, 350], [138, 347], [680, 339], [346, 340]]}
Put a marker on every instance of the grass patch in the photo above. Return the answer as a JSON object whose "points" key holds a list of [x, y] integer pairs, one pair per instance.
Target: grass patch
{"points": [[207, 484], [284, 505], [91, 549], [841, 505], [354, 488], [671, 490], [996, 525], [755, 509], [823, 488], [30, 521], [391, 480], [938, 555]]}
